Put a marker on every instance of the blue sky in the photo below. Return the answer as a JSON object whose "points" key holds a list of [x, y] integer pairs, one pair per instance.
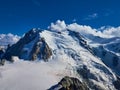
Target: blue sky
{"points": [[18, 16]]}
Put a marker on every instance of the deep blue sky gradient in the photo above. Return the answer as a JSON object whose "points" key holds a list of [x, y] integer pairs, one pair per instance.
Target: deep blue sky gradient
{"points": [[18, 16]]}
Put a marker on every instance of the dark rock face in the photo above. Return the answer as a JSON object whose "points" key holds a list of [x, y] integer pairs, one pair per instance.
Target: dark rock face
{"points": [[36, 51], [69, 83], [2, 61], [2, 51], [117, 83], [16, 49], [41, 50], [84, 72], [87, 76]]}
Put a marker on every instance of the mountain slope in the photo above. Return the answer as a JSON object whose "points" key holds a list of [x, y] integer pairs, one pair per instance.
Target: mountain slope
{"points": [[32, 46], [108, 50], [73, 50], [82, 57]]}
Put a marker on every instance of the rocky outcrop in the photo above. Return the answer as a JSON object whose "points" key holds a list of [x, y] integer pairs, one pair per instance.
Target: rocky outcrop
{"points": [[37, 48], [2, 51], [2, 61], [117, 83], [88, 77], [69, 83], [40, 50], [16, 49]]}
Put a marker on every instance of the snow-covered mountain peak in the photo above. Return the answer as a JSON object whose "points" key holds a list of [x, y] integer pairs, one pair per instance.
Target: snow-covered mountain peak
{"points": [[70, 47], [31, 47], [64, 50]]}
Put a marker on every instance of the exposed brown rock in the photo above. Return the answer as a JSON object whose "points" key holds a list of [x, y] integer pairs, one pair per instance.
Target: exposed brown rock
{"points": [[41, 50], [69, 83]]}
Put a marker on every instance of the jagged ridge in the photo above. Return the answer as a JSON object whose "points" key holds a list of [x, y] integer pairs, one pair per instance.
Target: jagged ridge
{"points": [[30, 47]]}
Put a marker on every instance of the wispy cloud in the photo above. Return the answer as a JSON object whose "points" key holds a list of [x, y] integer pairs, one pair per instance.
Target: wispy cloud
{"points": [[74, 20], [108, 12], [91, 16]]}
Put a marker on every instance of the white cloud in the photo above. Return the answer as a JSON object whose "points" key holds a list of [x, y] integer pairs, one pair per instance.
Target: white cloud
{"points": [[58, 26], [74, 20], [87, 30], [80, 28], [83, 29], [9, 38], [112, 31], [105, 32], [92, 16]]}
